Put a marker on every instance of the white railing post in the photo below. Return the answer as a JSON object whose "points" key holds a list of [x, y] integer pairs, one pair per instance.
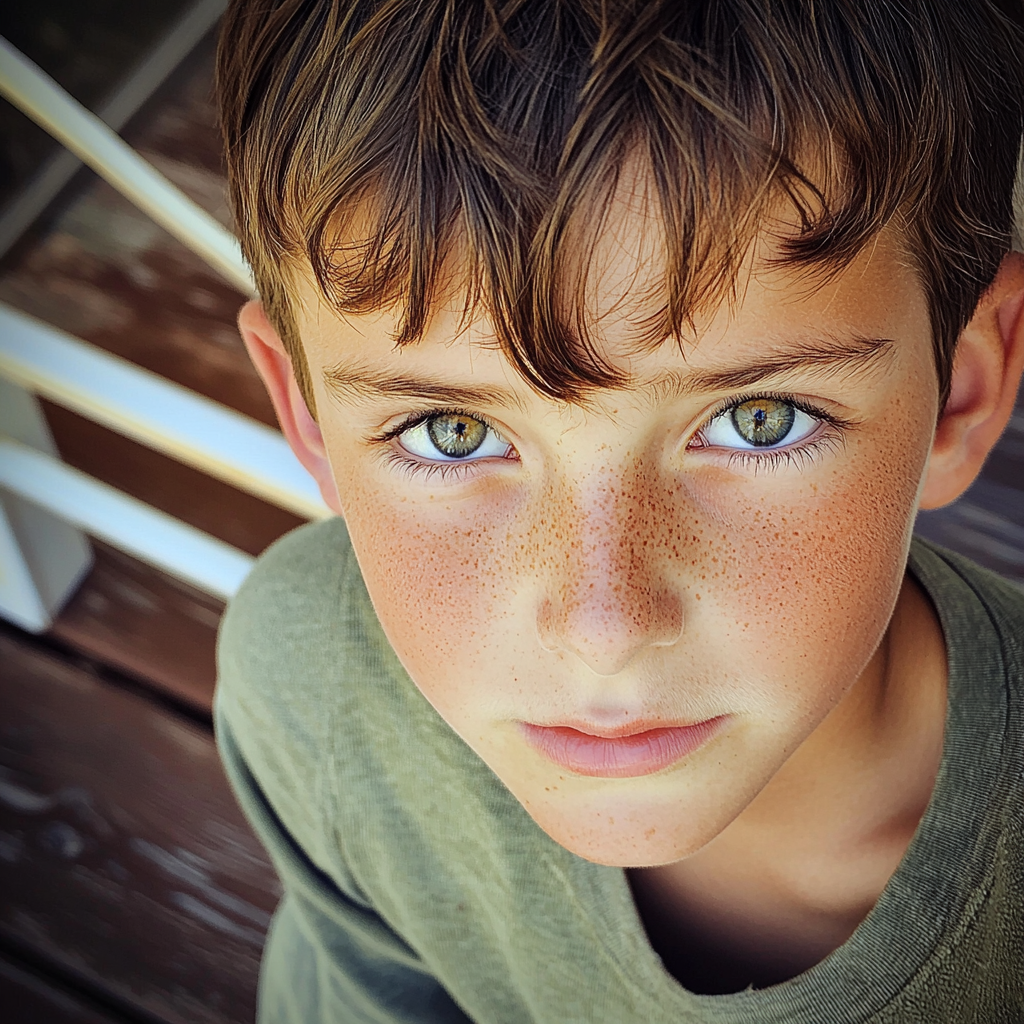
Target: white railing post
{"points": [[42, 558]]}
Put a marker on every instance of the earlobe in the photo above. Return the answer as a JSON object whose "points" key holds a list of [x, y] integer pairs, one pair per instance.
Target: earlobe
{"points": [[274, 366], [986, 373]]}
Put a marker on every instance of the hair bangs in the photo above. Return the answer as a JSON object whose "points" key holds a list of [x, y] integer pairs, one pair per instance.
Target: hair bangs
{"points": [[406, 147]]}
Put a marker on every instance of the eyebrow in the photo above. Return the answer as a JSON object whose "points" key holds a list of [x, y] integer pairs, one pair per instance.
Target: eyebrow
{"points": [[855, 355], [356, 382]]}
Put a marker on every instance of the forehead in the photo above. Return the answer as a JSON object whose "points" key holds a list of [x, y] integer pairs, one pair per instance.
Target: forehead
{"points": [[775, 309], [623, 270]]}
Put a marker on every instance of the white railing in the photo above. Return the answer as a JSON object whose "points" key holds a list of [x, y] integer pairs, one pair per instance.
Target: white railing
{"points": [[123, 521], [43, 502], [162, 415]]}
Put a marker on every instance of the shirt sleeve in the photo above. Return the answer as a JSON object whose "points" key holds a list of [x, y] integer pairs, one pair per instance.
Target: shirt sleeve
{"points": [[329, 957]]}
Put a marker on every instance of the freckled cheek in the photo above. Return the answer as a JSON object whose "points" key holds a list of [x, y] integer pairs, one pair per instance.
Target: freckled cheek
{"points": [[439, 583], [813, 566]]}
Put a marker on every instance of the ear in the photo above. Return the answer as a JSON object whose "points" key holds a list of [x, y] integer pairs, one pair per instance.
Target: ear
{"points": [[273, 364], [986, 373]]}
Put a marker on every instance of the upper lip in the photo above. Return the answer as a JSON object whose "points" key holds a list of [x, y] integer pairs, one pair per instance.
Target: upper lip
{"points": [[631, 729]]}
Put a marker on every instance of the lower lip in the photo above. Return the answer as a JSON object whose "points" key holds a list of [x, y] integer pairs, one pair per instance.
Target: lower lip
{"points": [[624, 758]]}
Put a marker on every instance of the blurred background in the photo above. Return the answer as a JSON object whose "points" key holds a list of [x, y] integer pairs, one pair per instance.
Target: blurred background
{"points": [[131, 889]]}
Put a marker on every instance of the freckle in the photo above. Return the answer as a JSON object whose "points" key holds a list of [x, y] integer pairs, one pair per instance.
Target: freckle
{"points": [[650, 832]]}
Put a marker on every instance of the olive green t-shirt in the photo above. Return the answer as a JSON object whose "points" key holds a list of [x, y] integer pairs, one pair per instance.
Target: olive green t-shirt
{"points": [[417, 889]]}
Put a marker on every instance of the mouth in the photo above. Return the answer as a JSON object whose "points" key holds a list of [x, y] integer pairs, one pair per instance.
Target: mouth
{"points": [[618, 754]]}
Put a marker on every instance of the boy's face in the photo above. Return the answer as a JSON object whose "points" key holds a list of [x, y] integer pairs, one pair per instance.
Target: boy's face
{"points": [[652, 559]]}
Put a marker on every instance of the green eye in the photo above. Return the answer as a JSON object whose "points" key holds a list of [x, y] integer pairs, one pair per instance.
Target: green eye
{"points": [[453, 437], [763, 421], [456, 435]]}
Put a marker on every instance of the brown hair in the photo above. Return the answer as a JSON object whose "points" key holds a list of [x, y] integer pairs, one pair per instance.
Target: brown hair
{"points": [[498, 127]]}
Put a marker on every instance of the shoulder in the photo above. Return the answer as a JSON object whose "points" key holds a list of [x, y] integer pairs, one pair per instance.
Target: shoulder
{"points": [[298, 646], [960, 588], [290, 580], [301, 614]]}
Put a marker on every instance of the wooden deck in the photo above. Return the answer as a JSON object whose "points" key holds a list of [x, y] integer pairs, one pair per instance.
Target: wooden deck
{"points": [[131, 890]]}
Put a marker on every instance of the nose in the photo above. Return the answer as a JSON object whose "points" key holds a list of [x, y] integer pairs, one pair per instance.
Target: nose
{"points": [[606, 600]]}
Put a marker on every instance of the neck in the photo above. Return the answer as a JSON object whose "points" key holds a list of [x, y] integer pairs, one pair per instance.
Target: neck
{"points": [[806, 861]]}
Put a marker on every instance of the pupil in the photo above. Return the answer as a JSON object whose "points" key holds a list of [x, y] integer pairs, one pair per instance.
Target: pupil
{"points": [[455, 435], [763, 421]]}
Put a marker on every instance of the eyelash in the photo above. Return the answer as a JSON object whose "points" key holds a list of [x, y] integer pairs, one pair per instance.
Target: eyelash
{"points": [[769, 459], [802, 453]]}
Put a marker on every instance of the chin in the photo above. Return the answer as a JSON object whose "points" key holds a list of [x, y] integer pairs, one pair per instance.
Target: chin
{"points": [[625, 841], [626, 851]]}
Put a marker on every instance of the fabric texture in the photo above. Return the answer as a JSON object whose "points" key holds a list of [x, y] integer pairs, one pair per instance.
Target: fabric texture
{"points": [[418, 890]]}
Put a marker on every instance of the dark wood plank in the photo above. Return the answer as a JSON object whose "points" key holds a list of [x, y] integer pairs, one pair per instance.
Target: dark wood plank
{"points": [[126, 860], [139, 620], [28, 998]]}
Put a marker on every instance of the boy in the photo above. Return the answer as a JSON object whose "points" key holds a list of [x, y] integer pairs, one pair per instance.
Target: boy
{"points": [[620, 336]]}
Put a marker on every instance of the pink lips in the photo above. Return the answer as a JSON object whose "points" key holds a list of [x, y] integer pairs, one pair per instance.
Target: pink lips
{"points": [[622, 757]]}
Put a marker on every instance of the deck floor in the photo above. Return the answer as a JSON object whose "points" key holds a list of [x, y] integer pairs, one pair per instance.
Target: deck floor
{"points": [[131, 890]]}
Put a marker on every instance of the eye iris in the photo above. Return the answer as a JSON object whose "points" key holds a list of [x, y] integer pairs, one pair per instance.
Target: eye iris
{"points": [[763, 421], [456, 436]]}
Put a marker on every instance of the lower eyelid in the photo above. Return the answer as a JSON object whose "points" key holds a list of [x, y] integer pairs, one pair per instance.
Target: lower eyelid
{"points": [[412, 464], [414, 467], [801, 453]]}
